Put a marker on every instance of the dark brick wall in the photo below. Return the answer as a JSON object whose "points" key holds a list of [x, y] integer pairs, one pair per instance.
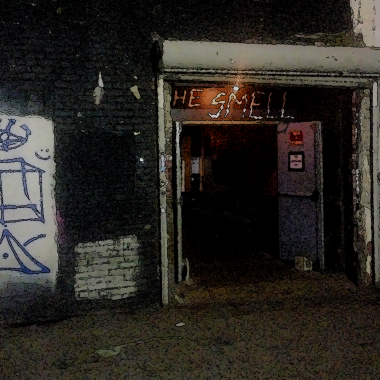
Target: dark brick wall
{"points": [[52, 52]]}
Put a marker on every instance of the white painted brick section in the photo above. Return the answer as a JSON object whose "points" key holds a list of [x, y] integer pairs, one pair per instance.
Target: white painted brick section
{"points": [[120, 296], [98, 261], [128, 265], [87, 275], [120, 284], [79, 288], [111, 292], [106, 242], [128, 253], [97, 286], [107, 269]]}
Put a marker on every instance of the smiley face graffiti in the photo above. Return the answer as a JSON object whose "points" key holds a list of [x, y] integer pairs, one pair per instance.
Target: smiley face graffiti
{"points": [[43, 158]]}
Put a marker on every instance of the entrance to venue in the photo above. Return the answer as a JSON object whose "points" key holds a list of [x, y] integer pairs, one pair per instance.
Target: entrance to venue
{"points": [[230, 204], [257, 196], [330, 220]]}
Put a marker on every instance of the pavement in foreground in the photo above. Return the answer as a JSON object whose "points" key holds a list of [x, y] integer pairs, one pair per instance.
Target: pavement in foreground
{"points": [[308, 325]]}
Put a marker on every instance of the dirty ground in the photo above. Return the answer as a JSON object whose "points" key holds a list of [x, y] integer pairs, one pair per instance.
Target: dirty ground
{"points": [[304, 325]]}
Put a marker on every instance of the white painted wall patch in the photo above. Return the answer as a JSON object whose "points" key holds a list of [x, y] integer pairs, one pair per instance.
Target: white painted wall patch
{"points": [[28, 249], [107, 269], [135, 91], [99, 91]]}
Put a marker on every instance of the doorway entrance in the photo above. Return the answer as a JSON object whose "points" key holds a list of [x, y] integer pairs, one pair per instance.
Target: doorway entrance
{"points": [[243, 200], [229, 199], [209, 82]]}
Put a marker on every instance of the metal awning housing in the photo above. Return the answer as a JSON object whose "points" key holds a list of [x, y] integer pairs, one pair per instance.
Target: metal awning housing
{"points": [[190, 56]]}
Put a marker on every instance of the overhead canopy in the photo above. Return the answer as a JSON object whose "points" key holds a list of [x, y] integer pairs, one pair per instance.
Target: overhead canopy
{"points": [[179, 56]]}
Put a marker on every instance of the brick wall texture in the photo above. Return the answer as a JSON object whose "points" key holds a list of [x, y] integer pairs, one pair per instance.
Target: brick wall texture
{"points": [[52, 53], [107, 269]]}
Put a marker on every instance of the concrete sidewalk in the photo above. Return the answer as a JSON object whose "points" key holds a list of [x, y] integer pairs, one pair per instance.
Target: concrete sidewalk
{"points": [[314, 327]]}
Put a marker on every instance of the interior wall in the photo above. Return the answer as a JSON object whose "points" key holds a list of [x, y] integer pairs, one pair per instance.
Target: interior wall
{"points": [[252, 142], [240, 157], [244, 156]]}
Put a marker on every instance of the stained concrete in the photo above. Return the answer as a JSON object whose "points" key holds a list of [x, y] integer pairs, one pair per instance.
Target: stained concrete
{"points": [[314, 327]]}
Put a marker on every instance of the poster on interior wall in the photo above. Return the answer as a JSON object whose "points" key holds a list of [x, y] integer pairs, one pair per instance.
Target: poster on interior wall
{"points": [[296, 161], [296, 137], [244, 103], [28, 249]]}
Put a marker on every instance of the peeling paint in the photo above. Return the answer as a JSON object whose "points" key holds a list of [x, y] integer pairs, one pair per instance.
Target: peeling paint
{"points": [[98, 95], [364, 20], [135, 92], [99, 91], [363, 188]]}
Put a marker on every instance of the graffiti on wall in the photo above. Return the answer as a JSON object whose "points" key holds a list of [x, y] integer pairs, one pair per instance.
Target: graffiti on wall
{"points": [[27, 214], [13, 180], [9, 140]]}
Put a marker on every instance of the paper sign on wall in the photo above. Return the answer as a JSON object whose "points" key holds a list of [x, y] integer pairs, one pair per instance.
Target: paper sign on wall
{"points": [[296, 161], [296, 138]]}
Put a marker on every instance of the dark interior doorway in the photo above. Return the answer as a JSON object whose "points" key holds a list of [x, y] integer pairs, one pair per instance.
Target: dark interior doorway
{"points": [[230, 205], [230, 217]]}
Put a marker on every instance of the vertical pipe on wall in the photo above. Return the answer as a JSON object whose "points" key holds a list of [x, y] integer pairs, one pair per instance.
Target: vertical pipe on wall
{"points": [[375, 184], [163, 185]]}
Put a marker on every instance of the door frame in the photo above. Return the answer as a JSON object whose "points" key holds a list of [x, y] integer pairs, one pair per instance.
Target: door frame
{"points": [[375, 181], [318, 181], [178, 214], [178, 126], [168, 271], [320, 205]]}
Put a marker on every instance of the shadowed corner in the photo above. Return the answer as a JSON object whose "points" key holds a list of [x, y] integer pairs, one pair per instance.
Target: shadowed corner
{"points": [[27, 303]]}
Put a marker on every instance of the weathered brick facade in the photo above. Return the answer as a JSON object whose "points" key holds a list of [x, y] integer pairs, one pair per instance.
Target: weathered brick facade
{"points": [[106, 155]]}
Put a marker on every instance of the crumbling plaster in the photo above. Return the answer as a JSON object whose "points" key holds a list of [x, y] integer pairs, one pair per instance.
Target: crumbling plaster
{"points": [[166, 178], [363, 188], [365, 15]]}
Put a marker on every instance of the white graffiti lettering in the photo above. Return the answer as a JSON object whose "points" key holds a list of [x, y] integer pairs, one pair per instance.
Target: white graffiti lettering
{"points": [[254, 104], [231, 97], [254, 101], [215, 103], [269, 99], [245, 104], [176, 97], [283, 105], [192, 97]]}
